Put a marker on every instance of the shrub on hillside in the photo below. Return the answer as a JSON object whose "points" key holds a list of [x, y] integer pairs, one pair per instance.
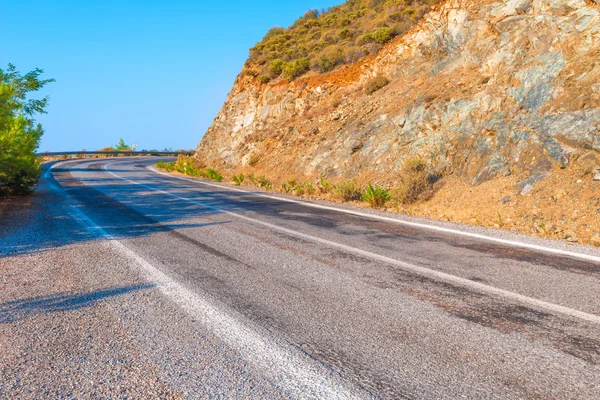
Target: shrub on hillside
{"points": [[292, 70], [357, 27], [376, 83], [276, 67]]}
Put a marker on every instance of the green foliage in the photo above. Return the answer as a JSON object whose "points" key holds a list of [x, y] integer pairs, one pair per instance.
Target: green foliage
{"points": [[188, 165], [356, 28], [169, 167], [276, 67], [376, 196], [264, 79], [289, 186], [238, 179], [348, 191], [251, 72], [416, 183], [324, 185], [253, 160], [263, 182], [294, 69], [383, 35], [376, 83], [309, 188], [19, 134], [214, 175], [121, 146]]}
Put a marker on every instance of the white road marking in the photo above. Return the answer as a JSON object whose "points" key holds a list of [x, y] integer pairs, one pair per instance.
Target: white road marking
{"points": [[508, 242], [285, 364], [436, 275]]}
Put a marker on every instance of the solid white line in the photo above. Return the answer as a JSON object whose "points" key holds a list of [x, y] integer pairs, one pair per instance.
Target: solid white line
{"points": [[508, 242], [436, 275], [284, 364]]}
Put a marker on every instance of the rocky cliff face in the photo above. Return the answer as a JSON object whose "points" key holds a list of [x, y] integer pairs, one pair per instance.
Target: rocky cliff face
{"points": [[478, 88]]}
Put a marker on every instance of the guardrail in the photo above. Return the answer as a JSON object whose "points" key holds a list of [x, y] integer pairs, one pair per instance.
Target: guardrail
{"points": [[115, 153]]}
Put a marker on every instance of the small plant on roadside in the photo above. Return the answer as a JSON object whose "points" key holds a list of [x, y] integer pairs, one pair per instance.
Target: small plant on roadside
{"points": [[252, 178], [324, 185], [289, 186], [169, 167], [376, 196], [348, 191], [214, 175], [416, 183], [238, 179], [299, 190], [264, 183], [309, 188], [500, 222]]}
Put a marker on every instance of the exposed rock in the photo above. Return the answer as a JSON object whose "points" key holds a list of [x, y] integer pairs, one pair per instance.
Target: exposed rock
{"points": [[596, 175], [478, 86], [595, 240], [588, 162], [504, 200], [532, 180], [526, 189]]}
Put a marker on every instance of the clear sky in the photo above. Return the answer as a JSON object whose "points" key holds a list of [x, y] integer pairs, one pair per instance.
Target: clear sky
{"points": [[152, 72]]}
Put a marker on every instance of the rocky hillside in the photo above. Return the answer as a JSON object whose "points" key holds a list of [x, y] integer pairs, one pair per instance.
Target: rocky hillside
{"points": [[480, 89]]}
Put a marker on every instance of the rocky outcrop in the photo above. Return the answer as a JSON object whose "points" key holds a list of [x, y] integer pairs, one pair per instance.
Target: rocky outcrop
{"points": [[478, 88]]}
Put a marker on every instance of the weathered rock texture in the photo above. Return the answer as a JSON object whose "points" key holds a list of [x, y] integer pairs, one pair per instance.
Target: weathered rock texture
{"points": [[478, 88]]}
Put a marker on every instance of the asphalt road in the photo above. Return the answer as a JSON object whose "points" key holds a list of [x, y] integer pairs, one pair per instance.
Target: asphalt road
{"points": [[117, 281]]}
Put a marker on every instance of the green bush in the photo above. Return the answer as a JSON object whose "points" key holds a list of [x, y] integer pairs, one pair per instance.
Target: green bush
{"points": [[276, 68], [288, 186], [169, 167], [292, 70], [264, 79], [376, 83], [416, 183], [309, 188], [214, 175], [348, 191], [263, 182], [376, 196], [238, 179], [189, 165], [19, 134], [324, 185], [383, 35]]}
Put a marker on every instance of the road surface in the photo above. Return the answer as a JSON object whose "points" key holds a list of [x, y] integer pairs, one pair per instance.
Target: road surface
{"points": [[119, 281]]}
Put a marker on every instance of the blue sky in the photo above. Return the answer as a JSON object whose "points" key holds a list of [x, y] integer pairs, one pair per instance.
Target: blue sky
{"points": [[153, 72]]}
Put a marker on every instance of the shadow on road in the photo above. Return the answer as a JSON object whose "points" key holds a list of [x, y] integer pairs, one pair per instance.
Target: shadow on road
{"points": [[17, 310]]}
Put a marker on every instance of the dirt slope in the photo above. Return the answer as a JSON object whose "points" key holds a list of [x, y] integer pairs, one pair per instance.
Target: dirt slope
{"points": [[494, 95]]}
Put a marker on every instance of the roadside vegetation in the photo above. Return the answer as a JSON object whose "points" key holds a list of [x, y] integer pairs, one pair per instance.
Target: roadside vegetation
{"points": [[188, 165], [19, 133], [415, 184], [322, 40]]}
